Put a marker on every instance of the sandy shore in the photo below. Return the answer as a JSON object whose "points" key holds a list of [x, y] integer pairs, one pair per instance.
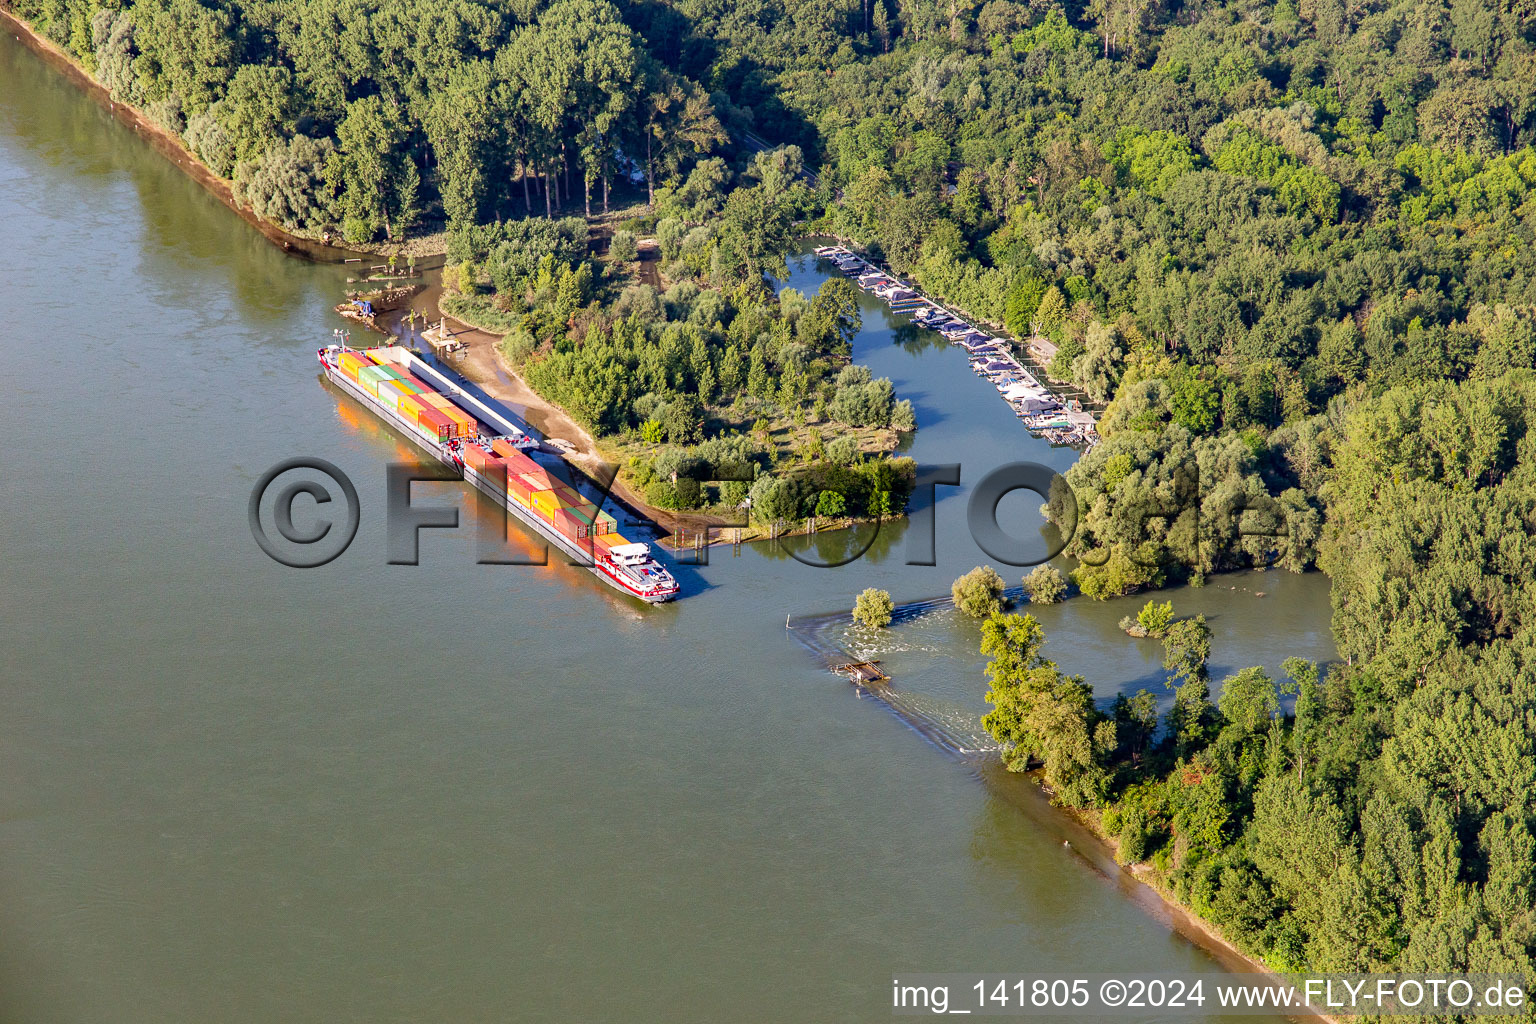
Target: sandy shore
{"points": [[482, 362]]}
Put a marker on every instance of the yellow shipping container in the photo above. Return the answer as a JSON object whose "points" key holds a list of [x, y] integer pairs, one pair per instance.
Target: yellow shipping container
{"points": [[546, 502]]}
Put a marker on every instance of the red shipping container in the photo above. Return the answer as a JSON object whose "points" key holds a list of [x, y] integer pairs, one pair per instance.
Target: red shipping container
{"points": [[482, 460], [434, 422], [519, 462], [569, 526], [539, 480]]}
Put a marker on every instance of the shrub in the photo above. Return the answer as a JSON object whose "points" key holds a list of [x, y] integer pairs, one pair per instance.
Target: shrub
{"points": [[622, 247], [682, 495], [774, 498], [288, 184], [1155, 618], [979, 593], [733, 493], [830, 505], [517, 346], [843, 451], [1045, 584], [1135, 833], [873, 608], [1118, 575]]}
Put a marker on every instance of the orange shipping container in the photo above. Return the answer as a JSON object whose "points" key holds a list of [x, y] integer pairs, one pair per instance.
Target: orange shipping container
{"points": [[481, 460], [519, 490], [434, 423], [464, 423], [538, 476]]}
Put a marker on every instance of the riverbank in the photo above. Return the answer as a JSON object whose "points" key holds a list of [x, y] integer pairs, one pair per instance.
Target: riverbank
{"points": [[1103, 852], [1079, 830], [170, 146]]}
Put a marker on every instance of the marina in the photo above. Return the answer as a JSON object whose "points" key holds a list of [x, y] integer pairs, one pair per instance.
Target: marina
{"points": [[1043, 412]]}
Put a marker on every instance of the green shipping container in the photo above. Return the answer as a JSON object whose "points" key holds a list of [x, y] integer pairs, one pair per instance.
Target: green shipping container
{"points": [[369, 377]]}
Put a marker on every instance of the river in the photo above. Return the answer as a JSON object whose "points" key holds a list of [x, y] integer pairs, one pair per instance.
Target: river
{"points": [[235, 791]]}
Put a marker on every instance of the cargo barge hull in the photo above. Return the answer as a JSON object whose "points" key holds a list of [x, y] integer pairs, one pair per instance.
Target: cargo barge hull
{"points": [[633, 571]]}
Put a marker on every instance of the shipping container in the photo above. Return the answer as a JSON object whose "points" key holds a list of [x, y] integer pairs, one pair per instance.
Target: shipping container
{"points": [[465, 424], [463, 421], [369, 377], [570, 526], [390, 393], [519, 490], [410, 405], [352, 364], [569, 493], [605, 524], [434, 422], [480, 458], [504, 447], [546, 503], [519, 463], [586, 513]]}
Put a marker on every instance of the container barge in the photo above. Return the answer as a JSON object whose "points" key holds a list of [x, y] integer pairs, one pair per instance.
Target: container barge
{"points": [[491, 453]]}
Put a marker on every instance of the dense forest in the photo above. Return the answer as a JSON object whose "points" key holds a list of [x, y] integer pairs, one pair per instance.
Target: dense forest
{"points": [[1378, 817], [361, 117]]}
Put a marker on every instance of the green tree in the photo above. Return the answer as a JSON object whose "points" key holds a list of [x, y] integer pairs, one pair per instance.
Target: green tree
{"points": [[979, 593], [1155, 618], [830, 505], [368, 168], [1187, 647], [1040, 714], [1045, 584], [622, 247], [873, 608]]}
